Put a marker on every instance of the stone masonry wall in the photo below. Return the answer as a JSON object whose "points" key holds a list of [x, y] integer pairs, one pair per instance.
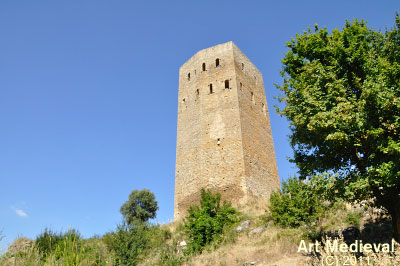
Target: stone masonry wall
{"points": [[224, 140]]}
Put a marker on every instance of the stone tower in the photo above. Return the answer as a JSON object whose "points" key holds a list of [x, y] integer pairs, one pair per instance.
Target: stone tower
{"points": [[224, 140]]}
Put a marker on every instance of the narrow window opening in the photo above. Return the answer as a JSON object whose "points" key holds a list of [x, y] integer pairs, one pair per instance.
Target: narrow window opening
{"points": [[217, 62], [252, 98], [241, 86], [183, 100], [264, 109], [218, 141], [197, 92], [211, 88], [203, 67], [242, 66], [227, 84], [188, 76]]}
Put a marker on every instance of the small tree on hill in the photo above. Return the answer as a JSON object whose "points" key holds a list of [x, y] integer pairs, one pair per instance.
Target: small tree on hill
{"points": [[140, 207]]}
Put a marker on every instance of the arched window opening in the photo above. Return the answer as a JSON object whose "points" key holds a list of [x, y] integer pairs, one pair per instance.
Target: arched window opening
{"points": [[211, 89], [197, 92], [203, 67], [188, 76], [217, 62], [227, 84], [241, 86]]}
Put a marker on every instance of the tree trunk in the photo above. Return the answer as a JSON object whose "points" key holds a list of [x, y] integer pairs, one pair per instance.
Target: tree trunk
{"points": [[391, 202], [396, 223]]}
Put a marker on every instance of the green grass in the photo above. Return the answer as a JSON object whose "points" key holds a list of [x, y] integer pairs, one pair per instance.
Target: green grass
{"points": [[67, 249]]}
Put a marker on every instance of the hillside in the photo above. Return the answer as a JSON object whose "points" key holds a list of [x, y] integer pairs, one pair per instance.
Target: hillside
{"points": [[254, 240]]}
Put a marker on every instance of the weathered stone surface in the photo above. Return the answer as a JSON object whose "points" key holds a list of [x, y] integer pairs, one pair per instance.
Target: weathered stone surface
{"points": [[224, 139], [257, 230], [243, 226], [19, 245]]}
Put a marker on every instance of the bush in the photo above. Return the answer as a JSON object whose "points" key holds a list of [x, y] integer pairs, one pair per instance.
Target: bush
{"points": [[354, 218], [205, 223], [131, 244], [300, 202], [128, 244]]}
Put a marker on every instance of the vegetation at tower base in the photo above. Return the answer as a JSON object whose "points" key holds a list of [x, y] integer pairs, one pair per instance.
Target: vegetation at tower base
{"points": [[206, 222], [140, 207], [342, 98], [256, 241], [300, 202]]}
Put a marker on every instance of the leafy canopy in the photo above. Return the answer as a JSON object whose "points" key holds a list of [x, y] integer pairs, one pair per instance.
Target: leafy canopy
{"points": [[140, 207], [342, 98]]}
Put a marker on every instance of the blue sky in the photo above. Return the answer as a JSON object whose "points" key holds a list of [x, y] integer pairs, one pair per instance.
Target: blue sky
{"points": [[88, 96]]}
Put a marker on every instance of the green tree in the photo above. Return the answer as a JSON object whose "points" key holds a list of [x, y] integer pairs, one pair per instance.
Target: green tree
{"points": [[140, 207], [342, 97]]}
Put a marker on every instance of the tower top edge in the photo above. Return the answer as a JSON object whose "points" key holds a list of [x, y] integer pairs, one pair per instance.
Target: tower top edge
{"points": [[227, 46]]}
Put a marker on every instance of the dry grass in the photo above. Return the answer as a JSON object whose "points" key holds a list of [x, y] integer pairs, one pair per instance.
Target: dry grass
{"points": [[274, 246], [349, 258]]}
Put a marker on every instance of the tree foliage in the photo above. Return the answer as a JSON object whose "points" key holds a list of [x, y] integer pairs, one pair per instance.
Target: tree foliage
{"points": [[342, 98], [140, 207], [205, 223]]}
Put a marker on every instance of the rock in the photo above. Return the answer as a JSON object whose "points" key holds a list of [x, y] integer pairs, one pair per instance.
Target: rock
{"points": [[250, 263], [257, 230], [182, 243], [351, 233], [18, 245], [243, 226], [239, 228], [246, 224]]}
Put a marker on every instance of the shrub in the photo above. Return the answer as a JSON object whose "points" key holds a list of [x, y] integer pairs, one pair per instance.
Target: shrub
{"points": [[205, 223], [128, 244], [299, 202], [131, 244], [353, 218]]}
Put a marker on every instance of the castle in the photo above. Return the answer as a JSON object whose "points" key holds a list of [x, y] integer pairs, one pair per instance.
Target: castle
{"points": [[224, 139]]}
